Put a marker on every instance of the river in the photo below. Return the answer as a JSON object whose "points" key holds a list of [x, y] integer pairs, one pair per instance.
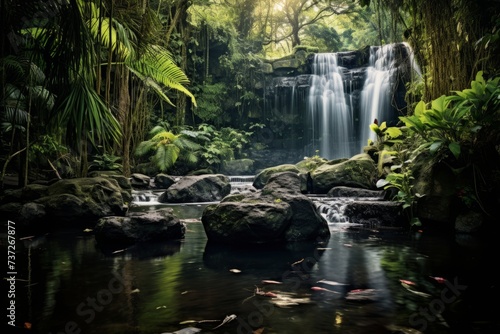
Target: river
{"points": [[354, 282]]}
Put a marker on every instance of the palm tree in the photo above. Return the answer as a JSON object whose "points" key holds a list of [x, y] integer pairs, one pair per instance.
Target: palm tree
{"points": [[71, 41]]}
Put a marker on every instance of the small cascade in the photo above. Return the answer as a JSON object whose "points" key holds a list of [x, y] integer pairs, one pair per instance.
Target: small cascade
{"points": [[332, 209], [145, 197], [241, 183], [241, 179]]}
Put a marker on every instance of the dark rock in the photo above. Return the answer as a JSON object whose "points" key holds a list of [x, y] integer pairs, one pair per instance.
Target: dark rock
{"points": [[277, 213], [160, 225], [197, 188], [355, 192], [163, 181], [139, 180], [67, 201], [376, 214]]}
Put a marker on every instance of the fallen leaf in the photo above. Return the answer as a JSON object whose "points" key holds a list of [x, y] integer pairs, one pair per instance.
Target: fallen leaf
{"points": [[267, 281], [361, 295], [87, 230], [27, 325], [419, 293], [187, 330], [258, 331], [324, 281], [407, 282], [236, 271], [438, 279], [318, 288], [347, 245], [227, 319]]}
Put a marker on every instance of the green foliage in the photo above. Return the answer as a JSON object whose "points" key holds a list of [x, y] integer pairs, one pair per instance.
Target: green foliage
{"points": [[47, 152], [456, 130], [401, 178], [221, 145], [450, 128], [211, 102], [105, 162], [164, 148]]}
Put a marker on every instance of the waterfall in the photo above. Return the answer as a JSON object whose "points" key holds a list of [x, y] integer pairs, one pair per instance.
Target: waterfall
{"points": [[329, 113], [327, 107], [382, 79]]}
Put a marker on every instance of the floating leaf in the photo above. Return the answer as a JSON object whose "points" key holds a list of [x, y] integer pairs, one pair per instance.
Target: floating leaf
{"points": [[324, 281], [227, 319], [235, 271], [267, 281], [419, 293], [187, 330], [361, 295], [438, 279], [318, 288], [407, 282]]}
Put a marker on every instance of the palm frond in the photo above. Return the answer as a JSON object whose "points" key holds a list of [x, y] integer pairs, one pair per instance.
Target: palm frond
{"points": [[144, 148], [186, 144], [83, 110], [166, 156], [113, 35], [157, 63]]}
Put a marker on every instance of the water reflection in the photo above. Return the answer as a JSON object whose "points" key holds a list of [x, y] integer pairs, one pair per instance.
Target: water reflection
{"points": [[66, 283]]}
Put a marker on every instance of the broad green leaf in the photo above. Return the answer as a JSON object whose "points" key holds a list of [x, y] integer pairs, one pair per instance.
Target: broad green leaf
{"points": [[455, 149], [440, 103], [419, 108], [435, 146], [393, 132]]}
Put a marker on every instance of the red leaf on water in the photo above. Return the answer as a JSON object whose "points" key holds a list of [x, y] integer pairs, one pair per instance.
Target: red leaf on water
{"points": [[438, 279], [407, 282]]}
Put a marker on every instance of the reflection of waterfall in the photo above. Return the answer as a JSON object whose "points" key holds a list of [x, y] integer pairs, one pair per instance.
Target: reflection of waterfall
{"points": [[382, 78], [329, 113]]}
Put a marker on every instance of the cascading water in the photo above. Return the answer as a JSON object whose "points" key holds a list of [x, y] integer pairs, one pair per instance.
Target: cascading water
{"points": [[328, 110], [379, 87]]}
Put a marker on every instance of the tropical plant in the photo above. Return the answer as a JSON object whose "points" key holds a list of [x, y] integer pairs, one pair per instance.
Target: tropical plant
{"points": [[105, 162], [165, 147], [401, 178]]}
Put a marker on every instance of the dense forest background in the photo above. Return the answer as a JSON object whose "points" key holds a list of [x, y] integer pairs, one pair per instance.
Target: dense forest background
{"points": [[96, 85]]}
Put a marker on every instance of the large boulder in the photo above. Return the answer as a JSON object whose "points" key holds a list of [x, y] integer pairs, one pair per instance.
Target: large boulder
{"points": [[359, 171], [263, 176], [79, 200], [197, 188], [277, 213], [160, 225]]}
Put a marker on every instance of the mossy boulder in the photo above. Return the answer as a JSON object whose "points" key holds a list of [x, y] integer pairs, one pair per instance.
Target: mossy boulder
{"points": [[359, 171]]}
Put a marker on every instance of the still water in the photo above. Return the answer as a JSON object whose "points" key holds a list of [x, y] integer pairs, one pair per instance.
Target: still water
{"points": [[353, 282]]}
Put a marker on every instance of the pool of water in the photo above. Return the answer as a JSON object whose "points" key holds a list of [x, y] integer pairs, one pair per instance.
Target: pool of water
{"points": [[353, 282]]}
